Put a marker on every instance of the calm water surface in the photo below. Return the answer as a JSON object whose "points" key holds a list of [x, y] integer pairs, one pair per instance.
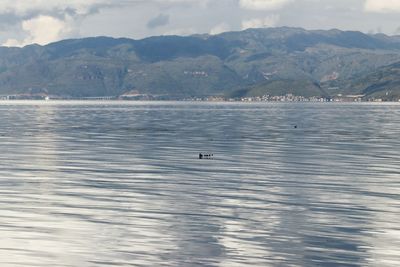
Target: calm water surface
{"points": [[120, 184]]}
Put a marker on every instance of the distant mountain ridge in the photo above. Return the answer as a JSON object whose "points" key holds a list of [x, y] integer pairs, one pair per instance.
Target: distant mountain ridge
{"points": [[254, 62]]}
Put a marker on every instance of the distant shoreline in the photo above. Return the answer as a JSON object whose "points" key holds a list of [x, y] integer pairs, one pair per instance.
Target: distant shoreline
{"points": [[248, 99], [187, 101]]}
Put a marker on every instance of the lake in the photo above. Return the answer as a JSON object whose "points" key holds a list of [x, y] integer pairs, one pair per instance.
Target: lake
{"points": [[121, 184]]}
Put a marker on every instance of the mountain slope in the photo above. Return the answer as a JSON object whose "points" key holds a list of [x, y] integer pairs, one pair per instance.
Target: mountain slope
{"points": [[254, 62], [383, 83]]}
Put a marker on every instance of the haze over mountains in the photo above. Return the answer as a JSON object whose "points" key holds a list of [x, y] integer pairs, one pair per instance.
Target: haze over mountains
{"points": [[254, 62]]}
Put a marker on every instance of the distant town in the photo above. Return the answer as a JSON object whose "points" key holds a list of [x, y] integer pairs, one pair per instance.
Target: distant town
{"points": [[148, 97]]}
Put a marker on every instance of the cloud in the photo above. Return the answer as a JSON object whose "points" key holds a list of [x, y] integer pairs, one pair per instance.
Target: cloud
{"points": [[382, 6], [41, 30], [80, 7], [58, 17], [24, 8], [181, 32], [42, 21], [220, 28], [196, 2], [263, 4], [266, 22], [159, 21]]}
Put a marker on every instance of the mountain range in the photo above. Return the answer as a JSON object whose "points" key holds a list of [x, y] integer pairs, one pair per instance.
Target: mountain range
{"points": [[254, 62]]}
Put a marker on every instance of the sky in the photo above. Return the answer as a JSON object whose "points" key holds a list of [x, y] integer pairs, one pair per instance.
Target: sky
{"points": [[24, 22]]}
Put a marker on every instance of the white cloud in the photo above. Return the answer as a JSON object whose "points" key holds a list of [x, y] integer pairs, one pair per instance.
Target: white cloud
{"points": [[181, 32], [266, 22], [200, 3], [382, 6], [22, 7], [42, 30], [182, 1], [80, 7], [220, 28], [263, 4], [12, 43], [43, 21]]}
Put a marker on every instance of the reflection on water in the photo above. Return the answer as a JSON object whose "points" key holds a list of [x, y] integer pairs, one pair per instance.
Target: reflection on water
{"points": [[120, 184]]}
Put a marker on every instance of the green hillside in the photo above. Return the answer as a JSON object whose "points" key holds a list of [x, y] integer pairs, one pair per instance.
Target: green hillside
{"points": [[255, 62]]}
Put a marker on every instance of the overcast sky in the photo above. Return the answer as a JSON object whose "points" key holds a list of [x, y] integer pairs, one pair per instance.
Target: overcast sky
{"points": [[24, 22]]}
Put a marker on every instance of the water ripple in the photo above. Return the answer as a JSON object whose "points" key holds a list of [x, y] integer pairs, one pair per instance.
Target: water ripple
{"points": [[120, 184]]}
